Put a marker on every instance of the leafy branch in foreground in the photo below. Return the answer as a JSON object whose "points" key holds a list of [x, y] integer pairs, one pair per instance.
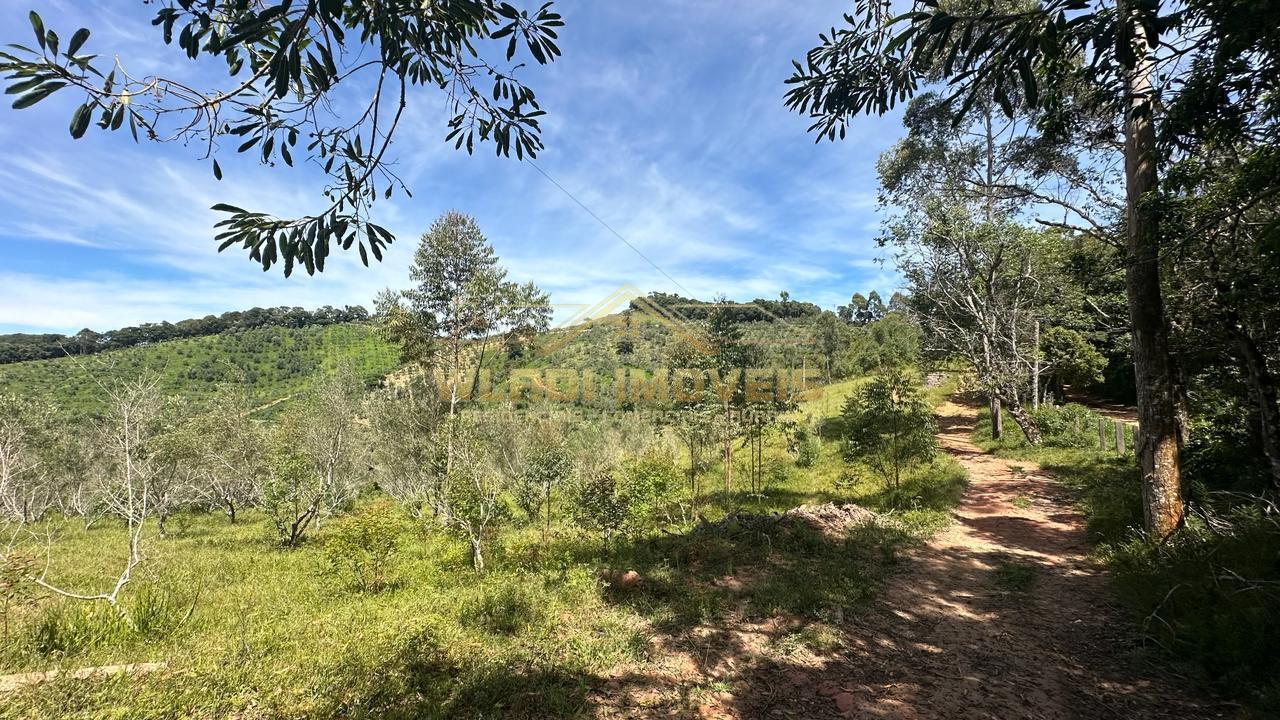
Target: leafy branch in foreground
{"points": [[285, 60]]}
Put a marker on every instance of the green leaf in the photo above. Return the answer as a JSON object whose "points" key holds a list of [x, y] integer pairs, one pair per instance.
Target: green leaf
{"points": [[38, 25], [223, 207], [80, 120], [26, 85], [77, 40], [37, 95], [217, 170]]}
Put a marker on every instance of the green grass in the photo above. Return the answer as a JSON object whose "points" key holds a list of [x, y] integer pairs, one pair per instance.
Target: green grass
{"points": [[251, 630], [276, 362], [271, 633]]}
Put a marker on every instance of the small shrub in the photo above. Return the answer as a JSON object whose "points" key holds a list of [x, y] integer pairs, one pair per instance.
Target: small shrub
{"points": [[362, 546], [806, 447], [291, 492], [889, 425], [549, 465]]}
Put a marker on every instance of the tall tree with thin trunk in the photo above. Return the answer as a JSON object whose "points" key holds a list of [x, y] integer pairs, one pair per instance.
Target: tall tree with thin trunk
{"points": [[999, 51], [460, 306]]}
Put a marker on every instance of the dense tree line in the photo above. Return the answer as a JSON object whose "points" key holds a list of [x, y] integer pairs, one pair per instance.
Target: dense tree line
{"points": [[19, 347], [758, 310]]}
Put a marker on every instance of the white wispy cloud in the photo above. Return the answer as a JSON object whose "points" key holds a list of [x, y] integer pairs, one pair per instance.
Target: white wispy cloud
{"points": [[673, 133]]}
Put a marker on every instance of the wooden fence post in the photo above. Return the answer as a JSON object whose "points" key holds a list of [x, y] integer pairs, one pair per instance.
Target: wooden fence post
{"points": [[1102, 434], [1119, 437]]}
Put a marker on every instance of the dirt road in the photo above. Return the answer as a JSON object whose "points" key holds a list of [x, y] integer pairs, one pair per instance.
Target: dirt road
{"points": [[1002, 615]]}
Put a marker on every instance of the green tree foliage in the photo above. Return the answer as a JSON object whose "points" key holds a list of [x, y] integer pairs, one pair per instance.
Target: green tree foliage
{"points": [[624, 500], [291, 492], [461, 301], [285, 59], [547, 466], [862, 310], [273, 364], [1069, 359], [830, 340], [470, 497], [27, 437], [361, 548], [1091, 73], [889, 426], [891, 341]]}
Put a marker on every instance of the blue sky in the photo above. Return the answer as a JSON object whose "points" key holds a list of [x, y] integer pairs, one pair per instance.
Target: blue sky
{"points": [[665, 118]]}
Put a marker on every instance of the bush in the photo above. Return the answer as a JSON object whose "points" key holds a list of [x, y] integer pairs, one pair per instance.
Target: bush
{"points": [[549, 465], [291, 493], [362, 546], [648, 482], [1070, 425], [1212, 596], [626, 500]]}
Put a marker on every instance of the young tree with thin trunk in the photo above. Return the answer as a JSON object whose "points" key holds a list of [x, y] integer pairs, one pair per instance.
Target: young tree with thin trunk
{"points": [[327, 426], [460, 305], [889, 425], [26, 438], [127, 437], [230, 452], [469, 500], [406, 458]]}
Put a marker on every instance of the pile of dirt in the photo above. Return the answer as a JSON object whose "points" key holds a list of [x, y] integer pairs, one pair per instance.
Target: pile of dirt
{"points": [[833, 519]]}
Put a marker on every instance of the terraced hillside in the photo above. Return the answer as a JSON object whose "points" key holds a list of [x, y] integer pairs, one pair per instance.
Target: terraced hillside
{"points": [[276, 362]]}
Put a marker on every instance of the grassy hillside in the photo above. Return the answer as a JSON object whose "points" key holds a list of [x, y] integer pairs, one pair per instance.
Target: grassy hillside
{"points": [[276, 362]]}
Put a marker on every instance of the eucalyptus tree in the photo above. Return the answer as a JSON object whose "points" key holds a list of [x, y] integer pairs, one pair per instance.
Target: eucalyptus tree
{"points": [[1044, 52], [290, 64]]}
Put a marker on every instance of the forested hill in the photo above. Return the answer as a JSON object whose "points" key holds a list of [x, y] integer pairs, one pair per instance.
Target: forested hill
{"points": [[19, 347]]}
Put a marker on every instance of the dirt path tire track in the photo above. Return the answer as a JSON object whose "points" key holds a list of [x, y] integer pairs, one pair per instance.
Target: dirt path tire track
{"points": [[948, 641]]}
